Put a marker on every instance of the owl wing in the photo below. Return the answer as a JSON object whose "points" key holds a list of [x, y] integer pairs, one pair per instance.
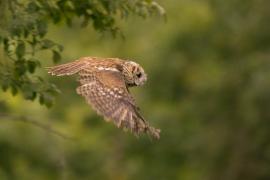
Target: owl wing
{"points": [[107, 93], [69, 68]]}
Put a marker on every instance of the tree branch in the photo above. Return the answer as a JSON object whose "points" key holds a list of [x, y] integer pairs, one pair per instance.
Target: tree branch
{"points": [[48, 128]]}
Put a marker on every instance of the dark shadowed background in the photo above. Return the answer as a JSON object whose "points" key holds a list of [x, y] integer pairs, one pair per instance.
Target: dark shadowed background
{"points": [[208, 90]]}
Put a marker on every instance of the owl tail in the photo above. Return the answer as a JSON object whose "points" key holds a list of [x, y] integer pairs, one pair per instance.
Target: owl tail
{"points": [[143, 126], [153, 132], [67, 68]]}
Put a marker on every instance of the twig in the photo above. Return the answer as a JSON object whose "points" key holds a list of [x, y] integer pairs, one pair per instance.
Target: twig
{"points": [[43, 126]]}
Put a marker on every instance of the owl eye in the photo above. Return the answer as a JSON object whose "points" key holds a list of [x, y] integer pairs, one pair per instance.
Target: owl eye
{"points": [[139, 75]]}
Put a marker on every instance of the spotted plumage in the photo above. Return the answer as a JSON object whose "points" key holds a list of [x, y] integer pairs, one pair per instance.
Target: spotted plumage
{"points": [[104, 83]]}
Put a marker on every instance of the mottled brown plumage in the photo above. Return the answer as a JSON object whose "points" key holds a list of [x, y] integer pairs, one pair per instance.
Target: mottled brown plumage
{"points": [[104, 85]]}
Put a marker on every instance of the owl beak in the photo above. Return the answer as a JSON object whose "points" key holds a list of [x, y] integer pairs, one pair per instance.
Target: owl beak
{"points": [[143, 80]]}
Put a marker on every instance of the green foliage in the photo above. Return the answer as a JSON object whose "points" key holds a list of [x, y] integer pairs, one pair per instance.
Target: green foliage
{"points": [[24, 25], [207, 90]]}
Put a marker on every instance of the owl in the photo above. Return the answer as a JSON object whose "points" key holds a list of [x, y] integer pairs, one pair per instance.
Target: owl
{"points": [[104, 83]]}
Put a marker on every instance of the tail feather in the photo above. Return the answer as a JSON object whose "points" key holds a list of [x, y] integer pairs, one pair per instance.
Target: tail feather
{"points": [[66, 69]]}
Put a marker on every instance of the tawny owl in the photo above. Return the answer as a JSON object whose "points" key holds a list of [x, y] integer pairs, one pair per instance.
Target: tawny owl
{"points": [[104, 85]]}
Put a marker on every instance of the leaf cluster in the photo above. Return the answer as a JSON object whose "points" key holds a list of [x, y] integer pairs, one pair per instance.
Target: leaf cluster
{"points": [[23, 29]]}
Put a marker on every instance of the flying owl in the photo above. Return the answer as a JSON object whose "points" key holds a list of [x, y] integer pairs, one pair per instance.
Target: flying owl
{"points": [[104, 83]]}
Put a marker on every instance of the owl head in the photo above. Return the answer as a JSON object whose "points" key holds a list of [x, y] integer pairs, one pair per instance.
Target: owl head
{"points": [[134, 74]]}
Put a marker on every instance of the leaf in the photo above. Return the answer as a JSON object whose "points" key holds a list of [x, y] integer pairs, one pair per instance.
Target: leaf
{"points": [[5, 85], [6, 44], [56, 56], [46, 44], [68, 21], [85, 21], [26, 33], [53, 90], [20, 49], [16, 31], [32, 7], [46, 99], [31, 66], [42, 28], [55, 15], [60, 47], [28, 91], [20, 67], [14, 90], [41, 99]]}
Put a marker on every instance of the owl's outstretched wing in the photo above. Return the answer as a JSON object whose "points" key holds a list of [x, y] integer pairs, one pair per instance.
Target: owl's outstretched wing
{"points": [[67, 68], [107, 93]]}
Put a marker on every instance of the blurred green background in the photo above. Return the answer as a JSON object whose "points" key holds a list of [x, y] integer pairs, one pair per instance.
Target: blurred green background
{"points": [[208, 91]]}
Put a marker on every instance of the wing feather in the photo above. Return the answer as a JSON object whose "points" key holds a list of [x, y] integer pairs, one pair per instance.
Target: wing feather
{"points": [[108, 95], [67, 68]]}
